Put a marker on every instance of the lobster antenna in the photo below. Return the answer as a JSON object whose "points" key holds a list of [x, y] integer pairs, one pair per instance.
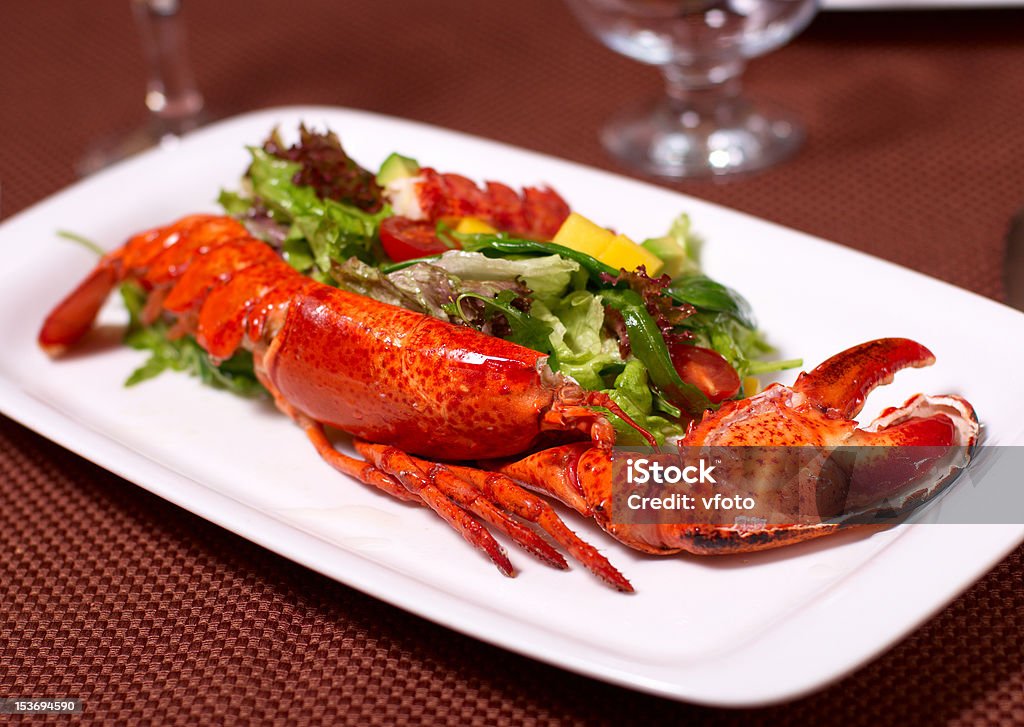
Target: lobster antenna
{"points": [[601, 399]]}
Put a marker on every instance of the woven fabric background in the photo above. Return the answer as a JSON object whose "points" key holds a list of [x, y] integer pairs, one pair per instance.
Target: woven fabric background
{"points": [[149, 614]]}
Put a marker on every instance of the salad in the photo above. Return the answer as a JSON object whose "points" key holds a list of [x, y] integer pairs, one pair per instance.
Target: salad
{"points": [[639, 321]]}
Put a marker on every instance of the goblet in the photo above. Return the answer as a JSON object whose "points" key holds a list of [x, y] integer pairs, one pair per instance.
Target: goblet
{"points": [[703, 125], [172, 97]]}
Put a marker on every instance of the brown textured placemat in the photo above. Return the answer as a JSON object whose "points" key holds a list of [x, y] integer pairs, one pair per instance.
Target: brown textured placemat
{"points": [[916, 153]]}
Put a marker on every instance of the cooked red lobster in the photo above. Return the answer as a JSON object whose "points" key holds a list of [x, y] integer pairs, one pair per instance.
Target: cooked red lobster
{"points": [[421, 201], [536, 212], [414, 390]]}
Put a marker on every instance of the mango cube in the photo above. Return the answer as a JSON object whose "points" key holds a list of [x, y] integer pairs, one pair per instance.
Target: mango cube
{"points": [[582, 235], [474, 226], [618, 251], [624, 253]]}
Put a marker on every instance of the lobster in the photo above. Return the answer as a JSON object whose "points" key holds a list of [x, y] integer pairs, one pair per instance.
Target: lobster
{"points": [[536, 212], [428, 401], [423, 201]]}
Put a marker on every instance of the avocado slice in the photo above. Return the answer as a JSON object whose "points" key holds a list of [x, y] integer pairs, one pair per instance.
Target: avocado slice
{"points": [[678, 249], [395, 167], [670, 252]]}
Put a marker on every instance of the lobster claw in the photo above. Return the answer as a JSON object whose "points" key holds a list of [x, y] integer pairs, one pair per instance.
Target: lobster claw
{"points": [[796, 451]]}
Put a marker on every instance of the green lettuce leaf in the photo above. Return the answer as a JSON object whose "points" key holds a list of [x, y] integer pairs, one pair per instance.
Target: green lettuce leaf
{"points": [[741, 346], [678, 249], [632, 392], [235, 204], [183, 354], [577, 346]]}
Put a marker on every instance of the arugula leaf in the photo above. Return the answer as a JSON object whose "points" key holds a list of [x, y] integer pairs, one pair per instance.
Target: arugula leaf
{"points": [[702, 292], [527, 330], [648, 345]]}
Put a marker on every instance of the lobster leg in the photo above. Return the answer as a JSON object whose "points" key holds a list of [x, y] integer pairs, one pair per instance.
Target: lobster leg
{"points": [[491, 496], [357, 468], [463, 493], [507, 493], [410, 485], [452, 487], [399, 465]]}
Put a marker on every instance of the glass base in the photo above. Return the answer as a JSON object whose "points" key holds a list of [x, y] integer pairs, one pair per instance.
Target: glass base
{"points": [[111, 150], [670, 139]]}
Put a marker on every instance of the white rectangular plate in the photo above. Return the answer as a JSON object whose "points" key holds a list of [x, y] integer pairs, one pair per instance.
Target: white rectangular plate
{"points": [[726, 631]]}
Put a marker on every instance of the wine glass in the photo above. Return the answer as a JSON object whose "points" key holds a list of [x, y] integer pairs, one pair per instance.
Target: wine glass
{"points": [[172, 97], [703, 125]]}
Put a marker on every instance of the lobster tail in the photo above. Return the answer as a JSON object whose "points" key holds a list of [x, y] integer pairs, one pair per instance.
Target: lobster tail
{"points": [[535, 212], [155, 258], [73, 317]]}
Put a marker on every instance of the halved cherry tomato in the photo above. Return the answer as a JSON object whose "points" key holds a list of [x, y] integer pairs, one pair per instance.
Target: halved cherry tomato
{"points": [[707, 370], [405, 239]]}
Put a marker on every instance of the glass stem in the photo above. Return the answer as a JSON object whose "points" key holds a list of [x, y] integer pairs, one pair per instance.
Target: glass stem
{"points": [[172, 96], [703, 91]]}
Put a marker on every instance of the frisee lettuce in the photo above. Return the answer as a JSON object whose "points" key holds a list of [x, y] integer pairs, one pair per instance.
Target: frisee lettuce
{"points": [[576, 345], [548, 276]]}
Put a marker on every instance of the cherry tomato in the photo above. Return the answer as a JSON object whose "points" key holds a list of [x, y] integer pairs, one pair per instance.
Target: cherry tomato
{"points": [[705, 369], [405, 239]]}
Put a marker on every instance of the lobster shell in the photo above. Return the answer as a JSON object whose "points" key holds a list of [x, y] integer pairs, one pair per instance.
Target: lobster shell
{"points": [[390, 375]]}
